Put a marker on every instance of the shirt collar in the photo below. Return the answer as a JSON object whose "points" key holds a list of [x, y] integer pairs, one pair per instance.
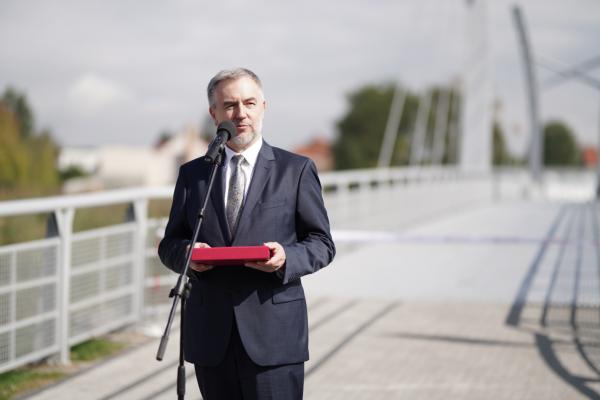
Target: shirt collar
{"points": [[250, 154]]}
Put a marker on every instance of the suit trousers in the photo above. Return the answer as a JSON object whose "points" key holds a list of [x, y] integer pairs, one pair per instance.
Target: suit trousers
{"points": [[237, 377]]}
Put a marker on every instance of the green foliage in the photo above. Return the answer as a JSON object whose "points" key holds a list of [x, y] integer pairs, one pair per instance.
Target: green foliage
{"points": [[159, 208], [450, 120], [27, 166], [21, 380], [500, 154], [22, 228], [14, 158], [71, 172], [16, 103], [560, 146], [44, 153], [163, 137], [452, 134], [361, 129], [27, 158], [98, 217], [94, 349]]}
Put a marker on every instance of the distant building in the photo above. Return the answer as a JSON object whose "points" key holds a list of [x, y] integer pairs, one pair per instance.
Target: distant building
{"points": [[119, 165], [319, 150], [182, 148], [589, 156], [83, 158]]}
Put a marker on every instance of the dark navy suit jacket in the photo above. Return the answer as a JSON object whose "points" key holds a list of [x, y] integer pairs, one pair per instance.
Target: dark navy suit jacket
{"points": [[284, 204]]}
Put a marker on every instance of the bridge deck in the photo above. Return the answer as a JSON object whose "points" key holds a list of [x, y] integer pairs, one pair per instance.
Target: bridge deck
{"points": [[500, 301]]}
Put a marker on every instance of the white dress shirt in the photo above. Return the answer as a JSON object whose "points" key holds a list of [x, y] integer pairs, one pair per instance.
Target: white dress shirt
{"points": [[250, 156]]}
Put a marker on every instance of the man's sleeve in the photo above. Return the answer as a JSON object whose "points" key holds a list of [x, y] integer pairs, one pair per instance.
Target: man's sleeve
{"points": [[315, 248], [171, 249]]}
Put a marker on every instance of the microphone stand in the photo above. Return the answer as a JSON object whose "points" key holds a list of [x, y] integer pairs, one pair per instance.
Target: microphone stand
{"points": [[183, 287]]}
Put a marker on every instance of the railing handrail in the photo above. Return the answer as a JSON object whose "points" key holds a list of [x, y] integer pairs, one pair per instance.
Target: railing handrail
{"points": [[334, 178], [83, 200], [128, 195]]}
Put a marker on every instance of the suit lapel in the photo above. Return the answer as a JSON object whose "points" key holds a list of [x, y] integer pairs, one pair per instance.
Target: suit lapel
{"points": [[260, 177]]}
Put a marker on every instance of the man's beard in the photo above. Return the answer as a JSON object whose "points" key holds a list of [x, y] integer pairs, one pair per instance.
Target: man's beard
{"points": [[244, 140]]}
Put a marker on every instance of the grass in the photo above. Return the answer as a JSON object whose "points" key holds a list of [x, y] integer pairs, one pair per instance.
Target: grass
{"points": [[29, 378], [21, 380], [94, 349]]}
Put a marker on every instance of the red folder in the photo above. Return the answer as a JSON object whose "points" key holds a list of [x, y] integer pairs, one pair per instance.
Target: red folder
{"points": [[231, 255]]}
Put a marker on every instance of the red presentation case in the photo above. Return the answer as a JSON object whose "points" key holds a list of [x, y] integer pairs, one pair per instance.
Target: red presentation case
{"points": [[231, 255]]}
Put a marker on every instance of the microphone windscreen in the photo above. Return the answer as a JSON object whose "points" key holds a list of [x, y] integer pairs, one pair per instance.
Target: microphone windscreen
{"points": [[228, 127]]}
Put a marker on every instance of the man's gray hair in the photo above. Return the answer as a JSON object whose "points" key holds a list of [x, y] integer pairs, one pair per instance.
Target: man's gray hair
{"points": [[226, 75]]}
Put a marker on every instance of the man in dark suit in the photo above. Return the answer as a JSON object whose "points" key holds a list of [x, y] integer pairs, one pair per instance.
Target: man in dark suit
{"points": [[247, 330]]}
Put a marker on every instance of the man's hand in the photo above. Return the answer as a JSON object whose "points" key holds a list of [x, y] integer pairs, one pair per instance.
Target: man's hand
{"points": [[196, 266], [276, 261]]}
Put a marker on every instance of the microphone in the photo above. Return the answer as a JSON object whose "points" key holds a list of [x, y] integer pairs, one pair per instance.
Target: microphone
{"points": [[225, 131]]}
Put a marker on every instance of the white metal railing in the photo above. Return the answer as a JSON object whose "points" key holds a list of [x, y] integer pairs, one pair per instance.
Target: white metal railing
{"points": [[62, 290]]}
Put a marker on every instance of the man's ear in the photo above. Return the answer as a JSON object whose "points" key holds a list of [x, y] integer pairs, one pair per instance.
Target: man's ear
{"points": [[211, 111]]}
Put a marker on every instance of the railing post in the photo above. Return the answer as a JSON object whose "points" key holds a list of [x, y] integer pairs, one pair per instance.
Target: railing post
{"points": [[140, 212], [343, 199], [64, 220]]}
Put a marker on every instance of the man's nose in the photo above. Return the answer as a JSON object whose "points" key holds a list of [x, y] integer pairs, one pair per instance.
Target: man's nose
{"points": [[240, 112]]}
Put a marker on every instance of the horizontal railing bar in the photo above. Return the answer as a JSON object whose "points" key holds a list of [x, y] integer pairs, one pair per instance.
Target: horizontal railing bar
{"points": [[125, 227], [105, 296], [32, 245], [162, 280], [36, 319], [28, 284], [129, 195], [85, 200], [100, 330], [101, 265], [153, 309]]}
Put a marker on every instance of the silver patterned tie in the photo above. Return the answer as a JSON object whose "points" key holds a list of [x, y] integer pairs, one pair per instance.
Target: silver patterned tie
{"points": [[235, 196]]}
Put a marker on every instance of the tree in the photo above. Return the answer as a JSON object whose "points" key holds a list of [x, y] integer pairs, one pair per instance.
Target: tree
{"points": [[361, 129], [16, 102], [27, 158], [163, 137], [44, 153], [14, 159], [500, 155], [560, 145]]}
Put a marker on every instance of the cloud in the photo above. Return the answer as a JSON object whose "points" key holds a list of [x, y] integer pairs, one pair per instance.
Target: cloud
{"points": [[91, 94], [109, 78]]}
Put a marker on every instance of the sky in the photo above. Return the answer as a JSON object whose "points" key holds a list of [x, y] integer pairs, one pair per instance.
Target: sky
{"points": [[120, 72]]}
